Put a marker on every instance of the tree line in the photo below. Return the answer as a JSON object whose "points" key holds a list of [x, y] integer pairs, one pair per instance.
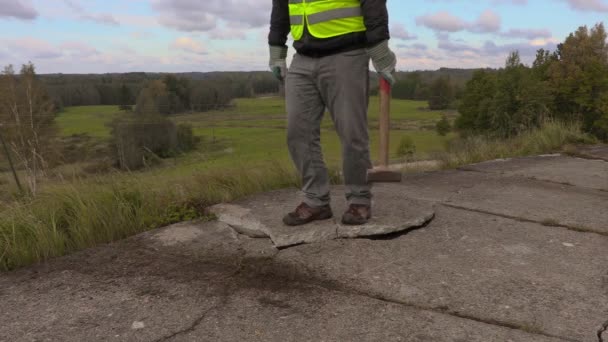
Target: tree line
{"points": [[109, 89], [568, 84]]}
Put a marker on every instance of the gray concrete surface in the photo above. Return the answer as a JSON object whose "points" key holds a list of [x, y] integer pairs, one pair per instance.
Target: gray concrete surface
{"points": [[559, 169], [514, 253], [595, 152]]}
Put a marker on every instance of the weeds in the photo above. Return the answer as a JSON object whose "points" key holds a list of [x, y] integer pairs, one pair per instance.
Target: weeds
{"points": [[551, 137], [75, 216]]}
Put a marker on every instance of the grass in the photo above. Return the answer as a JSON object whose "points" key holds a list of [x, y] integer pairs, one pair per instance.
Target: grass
{"points": [[553, 136], [89, 120], [70, 217]]}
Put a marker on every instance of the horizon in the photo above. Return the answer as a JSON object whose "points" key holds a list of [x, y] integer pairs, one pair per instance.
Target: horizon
{"points": [[185, 36]]}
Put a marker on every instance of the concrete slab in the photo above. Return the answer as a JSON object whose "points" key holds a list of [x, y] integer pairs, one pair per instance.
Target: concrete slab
{"points": [[134, 290], [559, 169], [318, 314], [197, 282], [597, 152], [523, 275], [261, 216], [552, 204]]}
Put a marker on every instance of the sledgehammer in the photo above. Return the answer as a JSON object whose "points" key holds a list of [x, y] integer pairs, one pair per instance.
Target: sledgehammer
{"points": [[381, 173]]}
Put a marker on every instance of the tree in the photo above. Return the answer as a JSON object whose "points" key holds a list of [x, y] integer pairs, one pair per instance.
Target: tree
{"points": [[153, 100], [579, 78], [505, 103], [476, 101], [441, 94], [126, 98], [27, 116]]}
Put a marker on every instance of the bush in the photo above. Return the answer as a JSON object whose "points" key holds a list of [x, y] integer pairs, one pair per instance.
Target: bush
{"points": [[136, 140], [443, 127], [406, 147], [186, 140]]}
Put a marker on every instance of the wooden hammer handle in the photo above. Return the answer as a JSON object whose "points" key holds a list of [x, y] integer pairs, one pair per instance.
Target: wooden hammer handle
{"points": [[384, 120]]}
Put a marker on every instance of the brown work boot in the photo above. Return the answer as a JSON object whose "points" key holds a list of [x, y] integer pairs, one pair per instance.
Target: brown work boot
{"points": [[357, 214], [305, 214]]}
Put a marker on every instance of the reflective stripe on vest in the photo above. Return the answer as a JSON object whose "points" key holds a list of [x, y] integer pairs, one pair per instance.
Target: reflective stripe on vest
{"points": [[325, 18]]}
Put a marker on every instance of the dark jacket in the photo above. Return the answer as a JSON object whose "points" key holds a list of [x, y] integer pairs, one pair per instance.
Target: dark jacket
{"points": [[375, 17]]}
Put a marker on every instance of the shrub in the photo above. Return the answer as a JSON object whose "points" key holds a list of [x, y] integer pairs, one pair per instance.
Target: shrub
{"points": [[186, 140], [406, 147], [443, 127], [136, 139]]}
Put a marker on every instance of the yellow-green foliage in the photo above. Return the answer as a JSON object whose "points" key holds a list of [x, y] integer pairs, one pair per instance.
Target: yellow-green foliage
{"points": [[551, 137]]}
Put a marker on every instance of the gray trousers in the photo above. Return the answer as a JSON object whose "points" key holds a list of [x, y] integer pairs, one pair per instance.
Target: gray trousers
{"points": [[339, 83]]}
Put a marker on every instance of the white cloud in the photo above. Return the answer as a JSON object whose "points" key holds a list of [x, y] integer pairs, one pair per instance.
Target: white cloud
{"points": [[444, 21], [189, 45], [100, 18], [197, 15], [588, 5], [19, 9], [398, 31]]}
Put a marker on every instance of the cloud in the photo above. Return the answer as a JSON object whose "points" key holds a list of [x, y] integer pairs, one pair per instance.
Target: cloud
{"points": [[527, 33], [398, 31], [33, 48], [100, 18], [488, 21], [19, 9], [588, 5], [444, 21], [189, 45], [196, 15], [227, 34], [78, 49]]}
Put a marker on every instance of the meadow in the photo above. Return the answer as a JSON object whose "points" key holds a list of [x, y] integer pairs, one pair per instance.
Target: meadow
{"points": [[253, 131]]}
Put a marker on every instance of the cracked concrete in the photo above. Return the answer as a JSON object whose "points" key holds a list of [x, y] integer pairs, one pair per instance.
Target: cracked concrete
{"points": [[261, 215], [602, 333], [513, 254]]}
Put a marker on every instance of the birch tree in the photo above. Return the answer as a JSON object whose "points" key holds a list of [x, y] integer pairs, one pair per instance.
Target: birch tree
{"points": [[26, 115]]}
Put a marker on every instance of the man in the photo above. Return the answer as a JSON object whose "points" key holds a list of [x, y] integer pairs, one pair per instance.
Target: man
{"points": [[334, 41]]}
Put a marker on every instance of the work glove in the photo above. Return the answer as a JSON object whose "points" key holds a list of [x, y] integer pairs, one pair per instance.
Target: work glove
{"points": [[278, 63], [384, 61]]}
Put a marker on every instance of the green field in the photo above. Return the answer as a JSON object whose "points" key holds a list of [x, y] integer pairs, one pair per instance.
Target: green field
{"points": [[254, 131], [91, 120]]}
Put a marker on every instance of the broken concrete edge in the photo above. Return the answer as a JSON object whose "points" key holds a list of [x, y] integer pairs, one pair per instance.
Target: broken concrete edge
{"points": [[243, 222], [602, 332], [546, 223], [365, 231], [235, 216], [471, 167]]}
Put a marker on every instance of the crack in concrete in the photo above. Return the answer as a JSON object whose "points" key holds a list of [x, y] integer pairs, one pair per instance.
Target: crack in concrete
{"points": [[601, 332], [441, 310], [526, 220], [582, 155], [532, 178], [191, 327]]}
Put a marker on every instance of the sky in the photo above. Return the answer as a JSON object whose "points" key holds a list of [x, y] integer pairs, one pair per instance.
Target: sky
{"points": [[100, 36]]}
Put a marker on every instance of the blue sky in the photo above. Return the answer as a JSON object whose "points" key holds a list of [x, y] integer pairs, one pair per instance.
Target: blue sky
{"points": [[78, 36]]}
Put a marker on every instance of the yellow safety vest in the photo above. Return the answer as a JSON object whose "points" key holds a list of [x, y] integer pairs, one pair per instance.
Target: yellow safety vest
{"points": [[325, 18]]}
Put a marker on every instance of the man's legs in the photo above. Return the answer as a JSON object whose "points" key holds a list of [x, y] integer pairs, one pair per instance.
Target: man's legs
{"points": [[344, 84], [305, 109]]}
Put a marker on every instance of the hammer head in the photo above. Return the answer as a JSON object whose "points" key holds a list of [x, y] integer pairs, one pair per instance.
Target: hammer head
{"points": [[383, 175]]}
